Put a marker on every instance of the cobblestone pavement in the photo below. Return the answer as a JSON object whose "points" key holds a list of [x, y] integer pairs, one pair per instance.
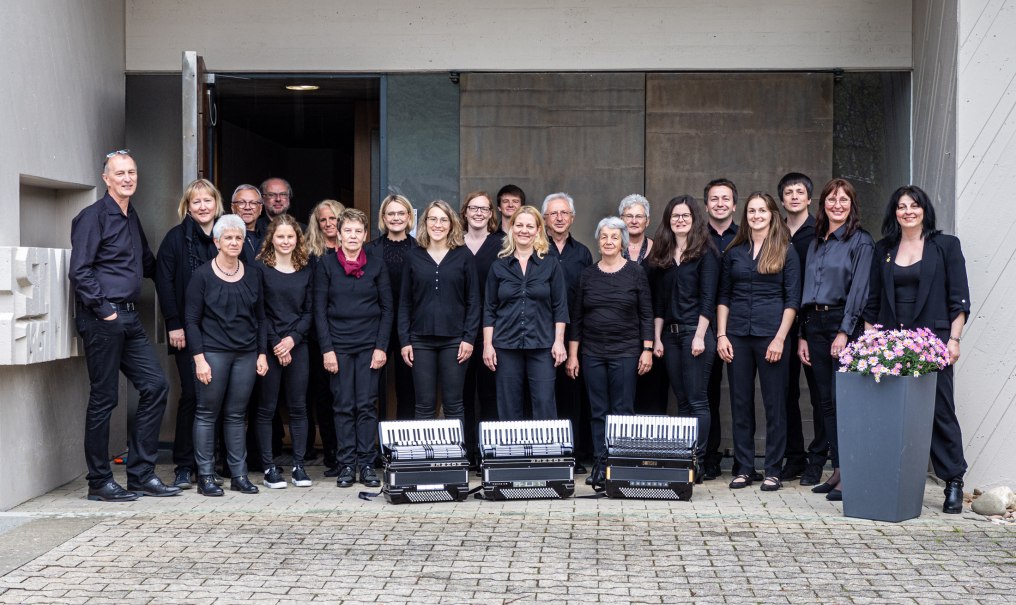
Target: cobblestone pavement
{"points": [[323, 544]]}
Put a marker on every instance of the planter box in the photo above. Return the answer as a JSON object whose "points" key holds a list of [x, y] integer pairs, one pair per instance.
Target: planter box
{"points": [[884, 431]]}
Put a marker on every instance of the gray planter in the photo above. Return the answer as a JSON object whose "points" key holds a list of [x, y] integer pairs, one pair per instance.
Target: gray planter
{"points": [[884, 431]]}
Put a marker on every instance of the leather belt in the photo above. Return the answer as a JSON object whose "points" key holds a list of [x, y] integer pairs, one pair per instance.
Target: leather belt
{"points": [[678, 328], [822, 308], [123, 306]]}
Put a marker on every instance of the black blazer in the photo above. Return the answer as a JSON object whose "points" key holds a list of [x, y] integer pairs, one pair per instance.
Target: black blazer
{"points": [[942, 292]]}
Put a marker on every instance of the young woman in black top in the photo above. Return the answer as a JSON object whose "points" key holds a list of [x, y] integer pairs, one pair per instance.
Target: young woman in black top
{"points": [[687, 274], [760, 291], [525, 313], [919, 280], [286, 277], [439, 312], [833, 297], [226, 332], [612, 297], [353, 318], [396, 221], [186, 247]]}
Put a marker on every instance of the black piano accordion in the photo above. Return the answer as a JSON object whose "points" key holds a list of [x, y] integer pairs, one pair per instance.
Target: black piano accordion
{"points": [[527, 459], [425, 461], [650, 457]]}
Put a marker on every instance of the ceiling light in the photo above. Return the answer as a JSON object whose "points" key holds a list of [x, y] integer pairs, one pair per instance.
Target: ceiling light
{"points": [[302, 87]]}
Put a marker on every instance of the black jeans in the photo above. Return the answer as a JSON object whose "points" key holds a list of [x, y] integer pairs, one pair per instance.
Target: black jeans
{"points": [[821, 328], [319, 401], [515, 369], [233, 375], [436, 360], [610, 382], [689, 377], [749, 358], [479, 396], [183, 439], [405, 390], [111, 347], [294, 378], [818, 450], [713, 454], [354, 389]]}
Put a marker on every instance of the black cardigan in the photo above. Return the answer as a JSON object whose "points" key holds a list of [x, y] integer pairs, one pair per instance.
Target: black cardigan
{"points": [[184, 249]]}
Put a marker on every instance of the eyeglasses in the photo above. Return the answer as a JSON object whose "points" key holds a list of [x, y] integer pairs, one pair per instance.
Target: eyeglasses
{"points": [[438, 220], [272, 196], [634, 217], [559, 213], [118, 152], [246, 203], [680, 217], [396, 214], [478, 209]]}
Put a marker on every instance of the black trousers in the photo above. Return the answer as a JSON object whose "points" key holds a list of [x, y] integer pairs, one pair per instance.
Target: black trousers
{"points": [[319, 402], [292, 379], [946, 438], [111, 347], [822, 327], [573, 404], [183, 439], [515, 369], [689, 378], [713, 454], [652, 391], [435, 360], [610, 382], [354, 389], [818, 450], [749, 359], [405, 391], [479, 396], [233, 375]]}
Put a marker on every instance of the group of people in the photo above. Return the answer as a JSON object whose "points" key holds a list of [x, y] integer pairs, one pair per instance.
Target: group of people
{"points": [[499, 312]]}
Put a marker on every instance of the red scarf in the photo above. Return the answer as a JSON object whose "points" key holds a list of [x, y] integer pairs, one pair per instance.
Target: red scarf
{"points": [[352, 267]]}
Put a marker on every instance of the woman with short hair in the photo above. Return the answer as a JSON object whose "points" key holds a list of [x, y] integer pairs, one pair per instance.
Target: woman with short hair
{"points": [[634, 210], [226, 332]]}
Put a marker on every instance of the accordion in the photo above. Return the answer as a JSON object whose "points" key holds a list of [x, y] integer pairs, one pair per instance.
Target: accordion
{"points": [[527, 459], [425, 461], [650, 457]]}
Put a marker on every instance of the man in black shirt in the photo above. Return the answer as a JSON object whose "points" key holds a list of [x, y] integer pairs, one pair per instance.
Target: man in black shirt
{"points": [[109, 258], [795, 190], [509, 199], [247, 204], [559, 214]]}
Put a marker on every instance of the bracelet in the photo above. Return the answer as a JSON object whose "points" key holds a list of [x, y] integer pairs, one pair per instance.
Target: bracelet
{"points": [[647, 349], [721, 336], [956, 338]]}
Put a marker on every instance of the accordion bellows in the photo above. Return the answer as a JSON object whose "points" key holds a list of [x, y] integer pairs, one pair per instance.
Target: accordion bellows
{"points": [[527, 459], [650, 457], [425, 461]]}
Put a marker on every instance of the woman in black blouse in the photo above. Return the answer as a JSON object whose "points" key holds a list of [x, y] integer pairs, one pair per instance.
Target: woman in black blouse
{"points": [[919, 280], [760, 291], [286, 278], [396, 221], [832, 299], [687, 273], [226, 332], [186, 247], [525, 313], [353, 318], [439, 312], [611, 295]]}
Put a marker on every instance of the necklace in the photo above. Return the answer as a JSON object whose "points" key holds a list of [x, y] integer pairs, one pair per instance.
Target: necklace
{"points": [[223, 271]]}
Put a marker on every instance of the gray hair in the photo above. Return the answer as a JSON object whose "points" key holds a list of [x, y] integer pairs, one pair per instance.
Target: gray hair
{"points": [[227, 222], [289, 188], [558, 196], [612, 222], [631, 200], [245, 187]]}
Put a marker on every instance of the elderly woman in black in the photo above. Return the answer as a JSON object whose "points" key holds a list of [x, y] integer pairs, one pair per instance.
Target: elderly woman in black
{"points": [[919, 280], [186, 247], [286, 278], [525, 313], [439, 313], [760, 292], [226, 332], [832, 299], [687, 275], [610, 294], [353, 317]]}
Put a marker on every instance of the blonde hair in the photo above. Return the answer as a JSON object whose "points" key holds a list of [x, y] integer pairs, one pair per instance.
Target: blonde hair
{"points": [[774, 249], [316, 241], [193, 188], [394, 199], [455, 238], [540, 244]]}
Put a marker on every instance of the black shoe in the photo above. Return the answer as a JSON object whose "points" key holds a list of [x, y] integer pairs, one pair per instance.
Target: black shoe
{"points": [[111, 491], [699, 473], [347, 477], [711, 470], [740, 482], [242, 484], [823, 488], [300, 477], [218, 479], [155, 488], [580, 469], [368, 477], [332, 471], [812, 474], [207, 486], [182, 478], [953, 497], [792, 470], [274, 479], [771, 484], [834, 495]]}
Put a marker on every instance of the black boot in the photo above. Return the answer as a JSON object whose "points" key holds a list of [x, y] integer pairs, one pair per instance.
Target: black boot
{"points": [[953, 497]]}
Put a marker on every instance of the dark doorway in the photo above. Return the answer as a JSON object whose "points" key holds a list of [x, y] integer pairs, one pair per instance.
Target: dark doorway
{"points": [[323, 141]]}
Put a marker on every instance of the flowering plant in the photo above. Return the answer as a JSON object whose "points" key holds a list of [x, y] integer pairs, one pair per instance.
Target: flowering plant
{"points": [[880, 353]]}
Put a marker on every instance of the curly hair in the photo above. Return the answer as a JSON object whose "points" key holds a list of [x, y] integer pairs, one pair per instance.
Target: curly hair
{"points": [[267, 253]]}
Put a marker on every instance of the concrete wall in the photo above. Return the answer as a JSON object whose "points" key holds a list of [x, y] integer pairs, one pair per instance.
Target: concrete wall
{"points": [[519, 35], [62, 110], [985, 171]]}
